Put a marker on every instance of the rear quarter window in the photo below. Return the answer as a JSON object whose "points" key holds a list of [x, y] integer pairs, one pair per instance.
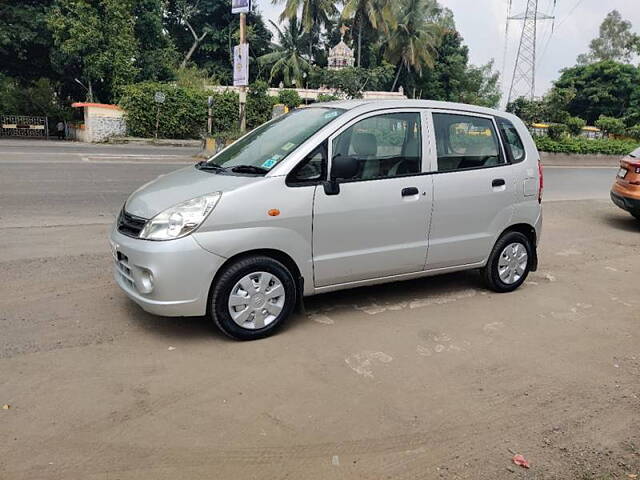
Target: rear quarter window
{"points": [[513, 142]]}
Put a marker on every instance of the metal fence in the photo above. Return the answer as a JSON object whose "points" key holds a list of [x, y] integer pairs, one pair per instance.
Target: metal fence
{"points": [[23, 126]]}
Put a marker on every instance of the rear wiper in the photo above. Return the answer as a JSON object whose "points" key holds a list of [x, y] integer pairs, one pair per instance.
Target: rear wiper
{"points": [[209, 166], [249, 169]]}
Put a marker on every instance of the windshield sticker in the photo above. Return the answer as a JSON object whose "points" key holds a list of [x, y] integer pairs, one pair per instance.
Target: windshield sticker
{"points": [[270, 163], [288, 146], [329, 115]]}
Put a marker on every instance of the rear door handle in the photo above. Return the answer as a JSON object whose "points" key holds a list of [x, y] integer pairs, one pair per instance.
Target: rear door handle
{"points": [[498, 182], [409, 191]]}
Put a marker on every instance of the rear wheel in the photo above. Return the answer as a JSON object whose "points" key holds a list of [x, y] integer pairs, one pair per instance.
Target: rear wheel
{"points": [[252, 298], [636, 214], [509, 263]]}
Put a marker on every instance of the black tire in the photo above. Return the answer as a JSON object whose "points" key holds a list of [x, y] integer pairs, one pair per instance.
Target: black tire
{"points": [[228, 279], [490, 273], [636, 214]]}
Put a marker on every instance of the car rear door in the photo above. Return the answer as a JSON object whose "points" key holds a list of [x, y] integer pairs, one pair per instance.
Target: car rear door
{"points": [[474, 189], [377, 225]]}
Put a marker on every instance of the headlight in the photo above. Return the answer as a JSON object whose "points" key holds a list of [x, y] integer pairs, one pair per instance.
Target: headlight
{"points": [[180, 220]]}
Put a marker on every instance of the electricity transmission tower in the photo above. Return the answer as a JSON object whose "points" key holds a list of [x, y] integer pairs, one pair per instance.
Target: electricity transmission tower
{"points": [[523, 83]]}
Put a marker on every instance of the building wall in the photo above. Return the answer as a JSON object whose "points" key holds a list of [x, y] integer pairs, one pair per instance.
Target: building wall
{"points": [[102, 122]]}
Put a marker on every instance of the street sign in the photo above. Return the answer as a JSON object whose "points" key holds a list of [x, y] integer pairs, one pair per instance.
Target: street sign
{"points": [[241, 65], [160, 97], [241, 6]]}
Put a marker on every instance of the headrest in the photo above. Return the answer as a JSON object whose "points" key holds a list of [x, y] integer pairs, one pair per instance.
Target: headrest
{"points": [[365, 144]]}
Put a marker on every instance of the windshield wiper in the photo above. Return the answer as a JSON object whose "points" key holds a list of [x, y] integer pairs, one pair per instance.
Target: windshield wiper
{"points": [[209, 166], [248, 169]]}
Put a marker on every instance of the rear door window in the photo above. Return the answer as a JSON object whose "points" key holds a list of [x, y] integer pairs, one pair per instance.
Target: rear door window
{"points": [[466, 142]]}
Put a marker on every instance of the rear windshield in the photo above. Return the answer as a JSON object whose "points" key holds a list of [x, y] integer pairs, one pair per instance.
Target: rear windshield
{"points": [[271, 143]]}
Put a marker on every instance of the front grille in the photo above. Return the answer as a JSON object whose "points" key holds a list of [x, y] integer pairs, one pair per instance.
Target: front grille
{"points": [[130, 225]]}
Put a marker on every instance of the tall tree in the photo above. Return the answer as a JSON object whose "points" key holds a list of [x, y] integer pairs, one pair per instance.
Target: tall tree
{"points": [[287, 60], [604, 88], [378, 14], [414, 40], [616, 42], [315, 15], [214, 53], [95, 42], [157, 54], [25, 41]]}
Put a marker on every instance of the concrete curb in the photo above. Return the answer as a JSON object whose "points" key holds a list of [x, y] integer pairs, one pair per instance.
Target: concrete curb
{"points": [[576, 160], [161, 142]]}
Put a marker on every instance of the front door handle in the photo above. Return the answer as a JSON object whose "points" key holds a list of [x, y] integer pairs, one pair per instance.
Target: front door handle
{"points": [[409, 191], [498, 182]]}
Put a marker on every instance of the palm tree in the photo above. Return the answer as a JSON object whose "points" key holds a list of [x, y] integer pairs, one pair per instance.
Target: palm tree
{"points": [[379, 13], [414, 40], [287, 59], [315, 14]]}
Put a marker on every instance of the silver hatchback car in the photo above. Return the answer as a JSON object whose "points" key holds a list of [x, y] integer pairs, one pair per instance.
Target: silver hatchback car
{"points": [[330, 197]]}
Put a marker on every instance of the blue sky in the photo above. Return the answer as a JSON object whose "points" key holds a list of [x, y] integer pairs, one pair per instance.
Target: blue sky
{"points": [[482, 24]]}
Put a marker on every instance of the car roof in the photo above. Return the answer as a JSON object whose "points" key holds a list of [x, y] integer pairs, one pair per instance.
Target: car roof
{"points": [[365, 106]]}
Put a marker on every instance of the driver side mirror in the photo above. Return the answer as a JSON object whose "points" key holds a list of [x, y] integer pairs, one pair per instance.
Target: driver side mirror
{"points": [[342, 168]]}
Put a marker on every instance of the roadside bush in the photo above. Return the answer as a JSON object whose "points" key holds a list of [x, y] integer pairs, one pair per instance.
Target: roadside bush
{"points": [[634, 132], [182, 115], [586, 146], [259, 105], [556, 131], [325, 97], [610, 125], [290, 98], [575, 125]]}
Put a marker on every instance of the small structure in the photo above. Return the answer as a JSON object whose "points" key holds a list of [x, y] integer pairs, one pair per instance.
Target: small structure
{"points": [[341, 56], [101, 121]]}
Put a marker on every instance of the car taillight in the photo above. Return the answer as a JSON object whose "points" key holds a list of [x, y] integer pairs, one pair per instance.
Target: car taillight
{"points": [[541, 185], [635, 166]]}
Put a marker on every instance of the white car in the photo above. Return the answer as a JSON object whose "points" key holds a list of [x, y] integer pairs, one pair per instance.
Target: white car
{"points": [[330, 197]]}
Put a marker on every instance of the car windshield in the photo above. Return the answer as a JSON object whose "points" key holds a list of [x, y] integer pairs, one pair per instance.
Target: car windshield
{"points": [[635, 153], [270, 144]]}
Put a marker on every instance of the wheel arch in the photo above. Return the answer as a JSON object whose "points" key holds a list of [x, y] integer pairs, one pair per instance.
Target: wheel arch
{"points": [[277, 255], [528, 231]]}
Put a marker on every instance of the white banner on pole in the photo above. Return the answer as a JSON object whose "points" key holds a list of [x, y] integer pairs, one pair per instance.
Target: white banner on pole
{"points": [[241, 65], [241, 6]]}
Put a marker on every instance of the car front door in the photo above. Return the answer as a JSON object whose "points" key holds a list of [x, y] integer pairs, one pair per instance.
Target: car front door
{"points": [[377, 224], [474, 189]]}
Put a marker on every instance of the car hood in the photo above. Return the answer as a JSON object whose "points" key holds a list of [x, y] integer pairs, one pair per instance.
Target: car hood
{"points": [[179, 186]]}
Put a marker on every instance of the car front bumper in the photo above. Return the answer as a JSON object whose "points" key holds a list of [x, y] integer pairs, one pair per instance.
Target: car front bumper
{"points": [[170, 278]]}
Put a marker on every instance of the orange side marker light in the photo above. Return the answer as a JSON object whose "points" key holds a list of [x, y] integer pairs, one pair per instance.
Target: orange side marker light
{"points": [[274, 212]]}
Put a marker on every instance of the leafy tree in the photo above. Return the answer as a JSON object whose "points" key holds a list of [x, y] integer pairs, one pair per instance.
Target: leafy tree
{"points": [[610, 125], [157, 55], [557, 131], [605, 88], [287, 61], [25, 41], [95, 41], [351, 82], [575, 125], [616, 42], [529, 111], [414, 40], [376, 13], [219, 28], [314, 15], [259, 104]]}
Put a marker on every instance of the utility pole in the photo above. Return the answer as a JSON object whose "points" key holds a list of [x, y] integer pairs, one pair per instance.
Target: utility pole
{"points": [[243, 89], [523, 83]]}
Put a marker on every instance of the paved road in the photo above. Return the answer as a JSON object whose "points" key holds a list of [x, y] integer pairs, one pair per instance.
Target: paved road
{"points": [[435, 378]]}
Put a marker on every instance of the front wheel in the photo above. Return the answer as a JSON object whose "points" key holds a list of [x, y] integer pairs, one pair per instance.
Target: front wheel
{"points": [[509, 263], [252, 298]]}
